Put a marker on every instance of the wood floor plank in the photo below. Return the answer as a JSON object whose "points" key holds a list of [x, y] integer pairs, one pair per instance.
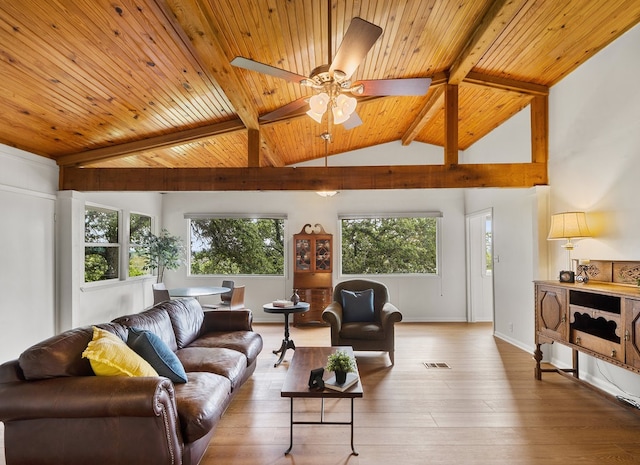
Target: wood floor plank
{"points": [[487, 409]]}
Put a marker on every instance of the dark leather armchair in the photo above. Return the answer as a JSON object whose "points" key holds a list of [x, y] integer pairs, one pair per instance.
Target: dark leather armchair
{"points": [[375, 335]]}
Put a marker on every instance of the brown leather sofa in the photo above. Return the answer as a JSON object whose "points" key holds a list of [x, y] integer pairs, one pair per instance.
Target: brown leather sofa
{"points": [[56, 411]]}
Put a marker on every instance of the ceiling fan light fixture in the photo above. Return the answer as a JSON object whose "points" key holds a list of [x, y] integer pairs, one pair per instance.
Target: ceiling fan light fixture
{"points": [[318, 103], [316, 116], [326, 193], [343, 108]]}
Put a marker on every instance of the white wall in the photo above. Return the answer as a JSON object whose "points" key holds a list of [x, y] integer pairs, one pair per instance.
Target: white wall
{"points": [[432, 298], [595, 167], [27, 241]]}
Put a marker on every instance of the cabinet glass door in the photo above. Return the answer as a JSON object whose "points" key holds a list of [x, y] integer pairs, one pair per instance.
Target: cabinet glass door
{"points": [[323, 255], [303, 254]]}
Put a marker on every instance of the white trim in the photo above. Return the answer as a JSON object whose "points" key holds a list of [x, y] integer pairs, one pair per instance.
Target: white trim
{"points": [[369, 216], [257, 216], [29, 192]]}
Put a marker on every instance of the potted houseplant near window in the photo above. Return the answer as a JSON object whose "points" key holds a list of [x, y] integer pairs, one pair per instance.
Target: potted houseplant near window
{"points": [[340, 363], [163, 252]]}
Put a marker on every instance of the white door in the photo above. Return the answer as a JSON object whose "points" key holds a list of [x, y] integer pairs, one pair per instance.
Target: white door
{"points": [[479, 266]]}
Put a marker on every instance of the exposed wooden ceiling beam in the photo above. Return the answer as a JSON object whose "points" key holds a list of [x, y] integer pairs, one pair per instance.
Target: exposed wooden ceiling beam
{"points": [[450, 124], [428, 111], [304, 178], [512, 85], [152, 143], [492, 24]]}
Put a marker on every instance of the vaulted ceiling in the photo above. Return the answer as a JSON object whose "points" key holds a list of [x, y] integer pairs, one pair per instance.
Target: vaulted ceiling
{"points": [[142, 95]]}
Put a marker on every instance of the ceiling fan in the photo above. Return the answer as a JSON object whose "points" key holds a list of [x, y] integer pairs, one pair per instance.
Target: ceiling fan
{"points": [[331, 83]]}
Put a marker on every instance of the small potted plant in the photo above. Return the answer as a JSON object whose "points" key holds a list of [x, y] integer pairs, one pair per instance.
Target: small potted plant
{"points": [[340, 363]]}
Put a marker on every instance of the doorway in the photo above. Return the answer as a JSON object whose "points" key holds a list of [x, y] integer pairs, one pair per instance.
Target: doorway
{"points": [[479, 235]]}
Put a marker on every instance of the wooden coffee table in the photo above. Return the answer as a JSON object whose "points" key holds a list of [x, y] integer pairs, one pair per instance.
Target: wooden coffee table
{"points": [[296, 385]]}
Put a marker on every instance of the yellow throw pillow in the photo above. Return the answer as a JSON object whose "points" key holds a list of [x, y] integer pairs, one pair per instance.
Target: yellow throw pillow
{"points": [[110, 356]]}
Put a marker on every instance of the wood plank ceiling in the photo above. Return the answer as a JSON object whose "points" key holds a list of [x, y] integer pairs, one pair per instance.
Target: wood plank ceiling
{"points": [[141, 95]]}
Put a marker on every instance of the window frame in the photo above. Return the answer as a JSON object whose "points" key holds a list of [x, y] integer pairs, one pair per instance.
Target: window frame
{"points": [[97, 207], [425, 214], [129, 244], [124, 242]]}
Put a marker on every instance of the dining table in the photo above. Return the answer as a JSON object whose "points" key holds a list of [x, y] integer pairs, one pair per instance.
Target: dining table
{"points": [[197, 291]]}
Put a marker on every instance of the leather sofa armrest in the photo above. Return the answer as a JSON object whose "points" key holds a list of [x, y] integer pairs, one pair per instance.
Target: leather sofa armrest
{"points": [[228, 320], [87, 396], [11, 371]]}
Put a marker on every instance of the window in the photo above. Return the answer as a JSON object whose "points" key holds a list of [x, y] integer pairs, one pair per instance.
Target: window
{"points": [[139, 228], [102, 247], [390, 245], [249, 246]]}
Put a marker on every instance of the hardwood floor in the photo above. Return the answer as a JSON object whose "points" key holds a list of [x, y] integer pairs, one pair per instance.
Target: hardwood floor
{"points": [[487, 408]]}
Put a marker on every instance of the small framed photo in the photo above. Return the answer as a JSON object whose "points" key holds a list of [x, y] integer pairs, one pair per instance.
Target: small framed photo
{"points": [[315, 379]]}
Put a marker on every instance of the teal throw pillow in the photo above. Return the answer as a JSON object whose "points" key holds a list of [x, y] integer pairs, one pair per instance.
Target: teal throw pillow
{"points": [[151, 348], [357, 306]]}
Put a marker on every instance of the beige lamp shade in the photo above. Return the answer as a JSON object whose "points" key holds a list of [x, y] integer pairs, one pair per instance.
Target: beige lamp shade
{"points": [[569, 225]]}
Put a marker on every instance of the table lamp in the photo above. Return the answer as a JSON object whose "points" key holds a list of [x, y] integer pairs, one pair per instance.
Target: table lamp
{"points": [[568, 226]]}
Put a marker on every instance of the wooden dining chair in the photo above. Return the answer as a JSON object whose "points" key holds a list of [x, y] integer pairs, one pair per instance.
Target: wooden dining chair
{"points": [[237, 298], [160, 293], [225, 297]]}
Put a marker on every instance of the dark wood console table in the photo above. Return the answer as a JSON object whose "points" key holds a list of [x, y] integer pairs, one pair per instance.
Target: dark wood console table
{"points": [[598, 319]]}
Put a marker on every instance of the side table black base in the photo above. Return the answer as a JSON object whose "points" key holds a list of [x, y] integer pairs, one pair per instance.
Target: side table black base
{"points": [[286, 344]]}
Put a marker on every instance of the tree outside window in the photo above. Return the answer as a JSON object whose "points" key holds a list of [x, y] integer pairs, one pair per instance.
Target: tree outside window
{"points": [[389, 245], [227, 246], [139, 229]]}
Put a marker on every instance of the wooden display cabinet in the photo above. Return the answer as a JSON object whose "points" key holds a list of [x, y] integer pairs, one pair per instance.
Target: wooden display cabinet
{"points": [[312, 273]]}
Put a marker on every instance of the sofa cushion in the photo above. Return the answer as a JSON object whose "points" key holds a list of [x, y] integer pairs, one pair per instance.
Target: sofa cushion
{"points": [[248, 342], [201, 403], [225, 362], [151, 348], [61, 355], [186, 317], [156, 320], [357, 305], [110, 356]]}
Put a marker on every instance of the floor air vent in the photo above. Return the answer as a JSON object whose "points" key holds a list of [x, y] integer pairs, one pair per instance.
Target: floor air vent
{"points": [[436, 365]]}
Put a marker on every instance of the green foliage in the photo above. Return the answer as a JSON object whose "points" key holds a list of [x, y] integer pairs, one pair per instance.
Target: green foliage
{"points": [[237, 246], [95, 267], [139, 229], [340, 361], [163, 252], [389, 245]]}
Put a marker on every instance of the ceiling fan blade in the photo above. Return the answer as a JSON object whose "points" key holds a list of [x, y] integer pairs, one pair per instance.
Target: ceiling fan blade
{"points": [[355, 45], [353, 121], [284, 110], [410, 86], [251, 65]]}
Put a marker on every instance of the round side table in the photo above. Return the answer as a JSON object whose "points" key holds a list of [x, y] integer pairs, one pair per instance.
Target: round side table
{"points": [[287, 343]]}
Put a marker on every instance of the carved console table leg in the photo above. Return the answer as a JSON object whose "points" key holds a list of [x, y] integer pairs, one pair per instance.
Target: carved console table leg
{"points": [[537, 355]]}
